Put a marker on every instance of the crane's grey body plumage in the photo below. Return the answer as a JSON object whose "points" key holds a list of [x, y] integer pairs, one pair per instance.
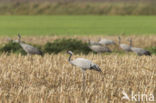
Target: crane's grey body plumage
{"points": [[84, 64], [28, 48], [98, 48], [140, 51], [125, 47], [106, 42]]}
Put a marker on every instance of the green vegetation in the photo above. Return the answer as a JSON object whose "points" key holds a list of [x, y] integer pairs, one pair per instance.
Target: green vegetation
{"points": [[152, 49], [80, 25], [78, 8], [59, 45], [12, 47]]}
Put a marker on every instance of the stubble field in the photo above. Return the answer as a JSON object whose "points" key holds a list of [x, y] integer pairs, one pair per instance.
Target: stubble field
{"points": [[51, 79]]}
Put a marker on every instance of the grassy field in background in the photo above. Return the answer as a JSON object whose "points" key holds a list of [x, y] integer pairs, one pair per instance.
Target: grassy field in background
{"points": [[80, 25]]}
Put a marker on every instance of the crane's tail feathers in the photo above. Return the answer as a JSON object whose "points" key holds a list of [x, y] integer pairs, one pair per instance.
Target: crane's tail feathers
{"points": [[41, 53], [96, 68], [148, 53]]}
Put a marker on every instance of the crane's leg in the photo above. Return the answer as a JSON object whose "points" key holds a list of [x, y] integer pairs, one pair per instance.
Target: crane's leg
{"points": [[31, 58], [83, 80], [83, 84], [93, 57]]}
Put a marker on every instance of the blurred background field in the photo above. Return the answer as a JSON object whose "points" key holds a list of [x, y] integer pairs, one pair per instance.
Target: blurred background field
{"points": [[78, 7], [77, 17], [78, 25]]}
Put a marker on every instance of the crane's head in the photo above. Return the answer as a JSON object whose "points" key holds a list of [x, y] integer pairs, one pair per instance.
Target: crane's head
{"points": [[130, 41], [119, 37], [70, 52], [89, 42], [19, 36], [9, 39]]}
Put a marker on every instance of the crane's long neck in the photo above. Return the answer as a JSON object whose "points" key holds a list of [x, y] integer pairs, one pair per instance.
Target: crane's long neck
{"points": [[19, 40], [69, 59], [119, 41], [130, 43]]}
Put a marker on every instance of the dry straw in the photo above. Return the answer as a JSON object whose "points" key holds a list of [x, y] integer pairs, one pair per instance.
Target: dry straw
{"points": [[51, 79]]}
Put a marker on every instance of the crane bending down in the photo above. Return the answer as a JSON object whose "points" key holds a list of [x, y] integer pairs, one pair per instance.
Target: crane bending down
{"points": [[84, 64], [139, 51], [28, 48]]}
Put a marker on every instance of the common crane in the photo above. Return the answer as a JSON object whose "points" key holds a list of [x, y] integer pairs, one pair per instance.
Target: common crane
{"points": [[28, 48], [124, 47], [84, 64], [139, 51]]}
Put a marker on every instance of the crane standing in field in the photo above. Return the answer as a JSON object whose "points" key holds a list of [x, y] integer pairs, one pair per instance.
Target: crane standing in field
{"points": [[139, 51], [84, 64], [124, 47], [28, 48]]}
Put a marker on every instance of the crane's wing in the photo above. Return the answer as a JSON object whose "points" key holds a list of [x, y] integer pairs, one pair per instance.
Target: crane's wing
{"points": [[98, 48], [125, 47], [95, 67], [30, 49], [140, 51], [106, 42], [85, 64], [82, 63]]}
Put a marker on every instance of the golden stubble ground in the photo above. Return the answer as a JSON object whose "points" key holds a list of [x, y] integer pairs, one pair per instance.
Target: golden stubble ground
{"points": [[51, 79]]}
